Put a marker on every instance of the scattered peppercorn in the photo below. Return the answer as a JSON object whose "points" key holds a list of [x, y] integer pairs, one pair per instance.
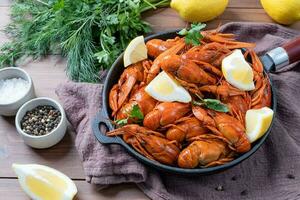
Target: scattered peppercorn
{"points": [[40, 120], [234, 178], [244, 192], [219, 188], [290, 176]]}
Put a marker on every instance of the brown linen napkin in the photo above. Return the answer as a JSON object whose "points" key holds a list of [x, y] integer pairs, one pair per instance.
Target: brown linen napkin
{"points": [[81, 102], [273, 172]]}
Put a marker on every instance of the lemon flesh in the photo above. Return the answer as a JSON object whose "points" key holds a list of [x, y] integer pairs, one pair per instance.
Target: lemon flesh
{"points": [[237, 71], [282, 11], [44, 183], [258, 122], [199, 10], [166, 89], [136, 51]]}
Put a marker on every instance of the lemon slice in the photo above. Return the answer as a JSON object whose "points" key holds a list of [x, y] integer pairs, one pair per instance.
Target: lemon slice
{"points": [[258, 122], [44, 183], [237, 71], [136, 51], [166, 89]]}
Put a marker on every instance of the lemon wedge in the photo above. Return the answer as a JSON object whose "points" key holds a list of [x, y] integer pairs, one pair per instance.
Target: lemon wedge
{"points": [[44, 183], [237, 71], [166, 89], [136, 51], [258, 122]]}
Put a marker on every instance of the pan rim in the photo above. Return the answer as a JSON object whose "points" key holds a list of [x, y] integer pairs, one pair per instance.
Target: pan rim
{"points": [[210, 170]]}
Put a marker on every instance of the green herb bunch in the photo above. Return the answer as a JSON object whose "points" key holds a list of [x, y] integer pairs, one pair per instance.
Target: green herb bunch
{"points": [[90, 33]]}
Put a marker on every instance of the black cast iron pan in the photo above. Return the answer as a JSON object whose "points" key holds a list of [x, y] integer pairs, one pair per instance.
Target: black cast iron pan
{"points": [[274, 59]]}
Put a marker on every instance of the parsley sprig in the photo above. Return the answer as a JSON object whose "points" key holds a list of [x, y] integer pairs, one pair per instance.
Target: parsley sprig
{"points": [[193, 35], [213, 104], [135, 114]]}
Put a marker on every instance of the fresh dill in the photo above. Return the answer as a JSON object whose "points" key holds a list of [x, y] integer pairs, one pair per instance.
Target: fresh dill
{"points": [[89, 33]]}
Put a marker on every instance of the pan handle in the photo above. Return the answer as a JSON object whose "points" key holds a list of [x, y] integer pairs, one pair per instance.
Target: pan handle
{"points": [[100, 135], [293, 50], [285, 55]]}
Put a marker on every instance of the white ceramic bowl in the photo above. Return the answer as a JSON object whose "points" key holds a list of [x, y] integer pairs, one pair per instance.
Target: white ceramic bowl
{"points": [[11, 109], [42, 141]]}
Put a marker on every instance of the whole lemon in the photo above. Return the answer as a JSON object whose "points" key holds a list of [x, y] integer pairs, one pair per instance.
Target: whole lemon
{"points": [[282, 11], [199, 10]]}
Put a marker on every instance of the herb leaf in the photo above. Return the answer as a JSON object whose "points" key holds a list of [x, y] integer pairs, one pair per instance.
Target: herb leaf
{"points": [[135, 114], [216, 105], [213, 104], [122, 122], [193, 35]]}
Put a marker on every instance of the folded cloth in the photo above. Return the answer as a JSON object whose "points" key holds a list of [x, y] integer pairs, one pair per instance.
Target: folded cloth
{"points": [[81, 102], [273, 172]]}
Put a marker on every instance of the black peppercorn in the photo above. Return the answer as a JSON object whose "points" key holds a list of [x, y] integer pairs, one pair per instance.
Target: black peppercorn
{"points": [[40, 120], [290, 176], [244, 192]]}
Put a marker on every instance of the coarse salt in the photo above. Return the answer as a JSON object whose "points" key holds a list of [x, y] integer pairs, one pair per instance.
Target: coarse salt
{"points": [[12, 89]]}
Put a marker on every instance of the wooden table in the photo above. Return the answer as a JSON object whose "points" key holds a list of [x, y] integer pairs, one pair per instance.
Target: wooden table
{"points": [[48, 73]]}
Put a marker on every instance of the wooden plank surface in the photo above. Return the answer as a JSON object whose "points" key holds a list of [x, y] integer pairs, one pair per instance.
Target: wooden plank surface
{"points": [[166, 19], [48, 73], [10, 190]]}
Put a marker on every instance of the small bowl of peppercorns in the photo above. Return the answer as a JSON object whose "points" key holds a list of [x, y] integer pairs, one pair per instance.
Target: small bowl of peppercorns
{"points": [[41, 122]]}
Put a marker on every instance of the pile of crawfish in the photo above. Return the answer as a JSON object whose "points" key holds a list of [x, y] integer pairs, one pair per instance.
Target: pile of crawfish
{"points": [[184, 134]]}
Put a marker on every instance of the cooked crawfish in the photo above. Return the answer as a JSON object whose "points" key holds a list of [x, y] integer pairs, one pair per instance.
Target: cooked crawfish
{"points": [[205, 151], [221, 90], [261, 95], [145, 102], [185, 129], [256, 63], [151, 144], [238, 106], [129, 78], [155, 68], [186, 70], [165, 113], [157, 46], [212, 53], [225, 39], [237, 101], [225, 126]]}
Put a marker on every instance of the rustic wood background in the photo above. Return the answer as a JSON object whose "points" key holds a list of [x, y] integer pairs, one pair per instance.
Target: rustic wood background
{"points": [[48, 73]]}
